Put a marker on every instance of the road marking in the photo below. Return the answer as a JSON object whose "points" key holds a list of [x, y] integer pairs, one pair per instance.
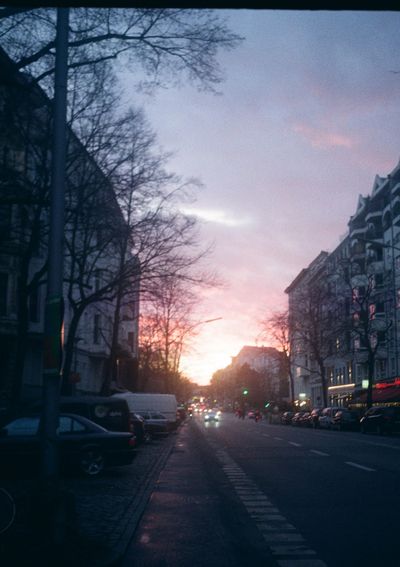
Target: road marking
{"points": [[281, 537], [291, 550], [301, 563], [295, 444], [360, 466], [321, 453], [288, 537], [277, 526], [266, 435]]}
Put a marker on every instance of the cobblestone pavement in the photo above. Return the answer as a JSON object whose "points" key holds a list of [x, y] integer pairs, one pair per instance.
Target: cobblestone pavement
{"points": [[105, 513]]}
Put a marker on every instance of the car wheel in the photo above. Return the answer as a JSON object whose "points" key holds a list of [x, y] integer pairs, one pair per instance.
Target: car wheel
{"points": [[363, 429], [92, 462], [148, 437], [379, 430]]}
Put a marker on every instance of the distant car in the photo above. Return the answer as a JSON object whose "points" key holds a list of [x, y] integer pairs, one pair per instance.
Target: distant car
{"points": [[304, 420], [212, 415], [297, 418], [314, 417], [156, 423], [82, 444], [345, 419], [286, 418], [381, 419], [251, 414], [325, 420]]}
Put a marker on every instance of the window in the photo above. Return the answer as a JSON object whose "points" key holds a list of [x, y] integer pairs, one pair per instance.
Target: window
{"points": [[97, 280], [23, 426], [96, 330], [70, 425], [131, 341], [34, 314], [3, 293]]}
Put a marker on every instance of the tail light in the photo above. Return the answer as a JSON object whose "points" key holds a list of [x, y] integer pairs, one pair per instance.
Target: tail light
{"points": [[132, 441]]}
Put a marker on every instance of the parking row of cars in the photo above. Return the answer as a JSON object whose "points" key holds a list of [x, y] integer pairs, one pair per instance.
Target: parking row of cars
{"points": [[93, 433], [379, 419]]}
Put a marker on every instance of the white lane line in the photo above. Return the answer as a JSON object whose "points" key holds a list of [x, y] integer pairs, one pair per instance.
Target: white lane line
{"points": [[295, 444], [275, 527], [360, 466], [283, 538], [278, 438], [320, 453], [301, 563], [266, 435], [291, 550]]}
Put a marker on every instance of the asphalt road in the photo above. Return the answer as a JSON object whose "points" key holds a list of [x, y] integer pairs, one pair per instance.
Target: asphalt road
{"points": [[317, 497]]}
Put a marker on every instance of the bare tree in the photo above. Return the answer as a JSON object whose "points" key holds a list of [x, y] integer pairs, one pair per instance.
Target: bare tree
{"points": [[166, 43], [315, 323], [168, 324], [277, 328]]}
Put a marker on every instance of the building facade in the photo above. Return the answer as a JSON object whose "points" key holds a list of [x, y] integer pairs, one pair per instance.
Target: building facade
{"points": [[359, 307], [92, 256]]}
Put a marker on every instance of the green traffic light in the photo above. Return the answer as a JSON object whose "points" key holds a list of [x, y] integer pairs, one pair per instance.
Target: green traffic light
{"points": [[245, 392]]}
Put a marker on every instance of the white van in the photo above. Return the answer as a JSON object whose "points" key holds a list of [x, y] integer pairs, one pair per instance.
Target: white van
{"points": [[163, 403]]}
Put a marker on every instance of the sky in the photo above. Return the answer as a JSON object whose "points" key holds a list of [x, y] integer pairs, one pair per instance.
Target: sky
{"points": [[308, 115]]}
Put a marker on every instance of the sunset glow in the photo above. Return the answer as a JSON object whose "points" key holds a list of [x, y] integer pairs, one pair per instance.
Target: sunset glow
{"points": [[307, 117]]}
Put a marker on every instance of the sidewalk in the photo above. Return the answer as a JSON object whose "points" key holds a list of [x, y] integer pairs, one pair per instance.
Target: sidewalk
{"points": [[106, 512], [183, 523]]}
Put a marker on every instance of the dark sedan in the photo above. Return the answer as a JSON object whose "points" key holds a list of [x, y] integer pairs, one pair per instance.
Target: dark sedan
{"points": [[82, 444], [381, 419]]}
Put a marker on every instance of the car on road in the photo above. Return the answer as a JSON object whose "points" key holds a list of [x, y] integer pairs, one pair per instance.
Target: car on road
{"points": [[212, 415], [83, 444], [345, 419], [156, 424], [381, 419]]}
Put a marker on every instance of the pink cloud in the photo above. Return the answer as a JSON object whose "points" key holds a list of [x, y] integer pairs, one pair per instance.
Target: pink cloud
{"points": [[324, 140]]}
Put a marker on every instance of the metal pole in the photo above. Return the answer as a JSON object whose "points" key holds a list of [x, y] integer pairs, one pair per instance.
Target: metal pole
{"points": [[54, 300]]}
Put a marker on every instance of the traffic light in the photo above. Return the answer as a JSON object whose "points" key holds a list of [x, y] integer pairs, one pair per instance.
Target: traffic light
{"points": [[266, 405], [245, 392]]}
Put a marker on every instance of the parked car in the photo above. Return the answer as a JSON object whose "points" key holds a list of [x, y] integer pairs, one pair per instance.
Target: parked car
{"points": [[108, 411], [313, 418], [381, 419], [156, 424], [286, 418], [139, 428], [83, 444], [304, 420], [325, 420], [251, 414], [297, 417], [345, 419]]}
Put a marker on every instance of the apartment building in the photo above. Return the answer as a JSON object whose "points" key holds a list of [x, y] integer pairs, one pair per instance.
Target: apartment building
{"points": [[358, 311], [91, 252]]}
